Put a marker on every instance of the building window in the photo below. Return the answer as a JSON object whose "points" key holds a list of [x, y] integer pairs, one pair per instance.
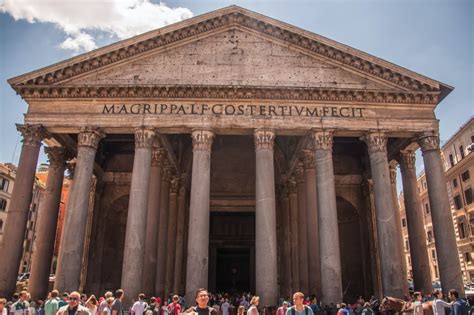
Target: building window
{"points": [[467, 257], [1, 226], [457, 202], [461, 150], [451, 160], [427, 208], [433, 254], [407, 245], [424, 185], [429, 235], [462, 232], [455, 182], [404, 222], [468, 196], [3, 204], [4, 184], [465, 176]]}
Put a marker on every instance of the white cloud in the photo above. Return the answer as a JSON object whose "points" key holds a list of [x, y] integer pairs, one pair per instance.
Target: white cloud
{"points": [[81, 19]]}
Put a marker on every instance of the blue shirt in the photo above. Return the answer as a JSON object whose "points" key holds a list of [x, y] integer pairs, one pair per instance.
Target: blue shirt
{"points": [[293, 311]]}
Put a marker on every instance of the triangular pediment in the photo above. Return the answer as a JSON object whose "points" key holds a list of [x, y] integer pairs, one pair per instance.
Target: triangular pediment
{"points": [[231, 46], [231, 57]]}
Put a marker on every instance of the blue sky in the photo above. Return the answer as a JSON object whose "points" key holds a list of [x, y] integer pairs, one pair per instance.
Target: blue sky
{"points": [[431, 37]]}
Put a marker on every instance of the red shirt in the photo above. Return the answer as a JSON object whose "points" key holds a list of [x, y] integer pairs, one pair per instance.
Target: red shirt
{"points": [[174, 308]]}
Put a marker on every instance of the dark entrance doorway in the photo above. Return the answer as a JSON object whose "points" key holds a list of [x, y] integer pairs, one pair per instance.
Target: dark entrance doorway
{"points": [[232, 252], [233, 270]]}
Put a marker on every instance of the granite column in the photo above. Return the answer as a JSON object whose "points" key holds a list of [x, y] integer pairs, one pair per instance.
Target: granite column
{"points": [[47, 219], [68, 272], [135, 234], [420, 261], [152, 222], [331, 276], [443, 229], [199, 215], [295, 267], [172, 221], [302, 228], [265, 219], [178, 263], [314, 261], [390, 263], [15, 225], [162, 247]]}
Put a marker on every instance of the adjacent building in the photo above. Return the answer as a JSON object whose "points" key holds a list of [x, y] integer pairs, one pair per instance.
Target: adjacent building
{"points": [[458, 162]]}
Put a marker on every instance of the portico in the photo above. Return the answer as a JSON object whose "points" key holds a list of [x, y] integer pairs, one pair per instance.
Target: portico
{"points": [[233, 115]]}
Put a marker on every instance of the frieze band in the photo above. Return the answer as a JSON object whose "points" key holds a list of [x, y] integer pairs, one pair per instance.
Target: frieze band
{"points": [[231, 109]]}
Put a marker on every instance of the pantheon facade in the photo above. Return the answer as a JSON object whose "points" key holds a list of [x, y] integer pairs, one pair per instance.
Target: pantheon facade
{"points": [[231, 151]]}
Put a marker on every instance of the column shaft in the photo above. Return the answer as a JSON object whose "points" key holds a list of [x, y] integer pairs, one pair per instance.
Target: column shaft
{"points": [[152, 222], [393, 181], [15, 225], [163, 234], [47, 220], [68, 272], [443, 229], [172, 220], [314, 261], [135, 235], [391, 264], [265, 220], [199, 216], [295, 267], [178, 263], [331, 277], [286, 222], [416, 229], [302, 229]]}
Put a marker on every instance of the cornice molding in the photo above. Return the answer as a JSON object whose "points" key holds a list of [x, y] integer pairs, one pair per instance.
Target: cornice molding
{"points": [[225, 92], [279, 31]]}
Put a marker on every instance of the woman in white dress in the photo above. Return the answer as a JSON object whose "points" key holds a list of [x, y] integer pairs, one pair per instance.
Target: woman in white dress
{"points": [[92, 304]]}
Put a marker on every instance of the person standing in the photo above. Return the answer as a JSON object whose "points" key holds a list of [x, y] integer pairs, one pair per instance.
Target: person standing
{"points": [[282, 309], [51, 306], [174, 308], [74, 307], [3, 306], [21, 306], [91, 305], [117, 306], [418, 305], [459, 306], [367, 309], [439, 305], [225, 307], [104, 303], [253, 309], [138, 308], [298, 307]]}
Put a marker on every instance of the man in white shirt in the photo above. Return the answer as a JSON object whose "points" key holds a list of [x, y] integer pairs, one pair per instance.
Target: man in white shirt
{"points": [[139, 306], [440, 305], [225, 307]]}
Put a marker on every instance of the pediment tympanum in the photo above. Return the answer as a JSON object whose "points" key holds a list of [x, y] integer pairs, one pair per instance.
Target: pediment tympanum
{"points": [[231, 57]]}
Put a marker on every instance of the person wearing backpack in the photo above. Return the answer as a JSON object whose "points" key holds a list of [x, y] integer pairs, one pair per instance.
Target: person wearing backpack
{"points": [[459, 306], [298, 307]]}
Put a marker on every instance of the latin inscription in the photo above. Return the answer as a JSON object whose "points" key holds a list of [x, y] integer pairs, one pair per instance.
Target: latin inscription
{"points": [[230, 109]]}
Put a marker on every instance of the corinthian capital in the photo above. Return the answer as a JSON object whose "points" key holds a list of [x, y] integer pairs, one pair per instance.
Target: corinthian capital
{"points": [[264, 139], [90, 137], [322, 140], [32, 134], [158, 155], [202, 139], [308, 159], [299, 173], [428, 142], [174, 185], [407, 158], [57, 156], [144, 137], [376, 141]]}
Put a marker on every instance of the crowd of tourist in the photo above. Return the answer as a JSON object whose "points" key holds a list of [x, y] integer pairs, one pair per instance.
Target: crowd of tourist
{"points": [[208, 303]]}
